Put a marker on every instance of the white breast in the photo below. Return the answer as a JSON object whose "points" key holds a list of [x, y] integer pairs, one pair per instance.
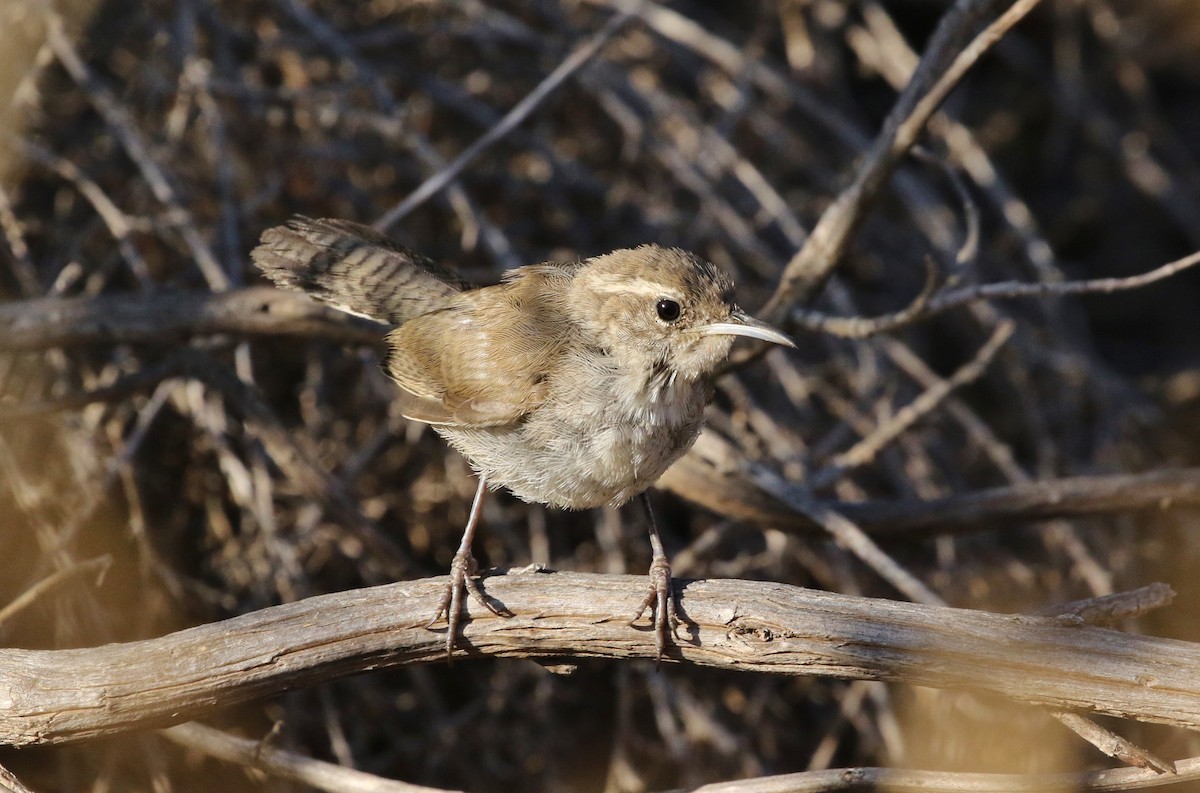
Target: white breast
{"points": [[597, 442]]}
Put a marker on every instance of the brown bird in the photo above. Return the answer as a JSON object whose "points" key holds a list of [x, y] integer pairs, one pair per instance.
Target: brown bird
{"points": [[570, 384]]}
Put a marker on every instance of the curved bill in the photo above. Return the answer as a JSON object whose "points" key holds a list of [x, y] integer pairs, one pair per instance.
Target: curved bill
{"points": [[742, 324]]}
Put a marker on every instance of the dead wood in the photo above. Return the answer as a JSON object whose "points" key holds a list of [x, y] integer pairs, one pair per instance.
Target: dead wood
{"points": [[227, 457], [43, 323], [712, 474], [59, 696]]}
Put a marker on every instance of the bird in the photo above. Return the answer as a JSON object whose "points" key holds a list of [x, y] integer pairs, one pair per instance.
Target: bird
{"points": [[571, 384]]}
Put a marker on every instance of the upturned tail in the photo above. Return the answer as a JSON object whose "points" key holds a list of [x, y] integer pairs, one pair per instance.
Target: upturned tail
{"points": [[354, 268]]}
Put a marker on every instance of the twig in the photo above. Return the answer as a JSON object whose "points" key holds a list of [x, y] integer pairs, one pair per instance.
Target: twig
{"points": [[620, 97], [115, 220], [711, 474], [125, 129], [1114, 608], [813, 263], [866, 450], [44, 323], [865, 327], [520, 111], [846, 534], [470, 215], [1055, 498], [295, 461], [732, 58], [1114, 745], [283, 764], [905, 780], [999, 452], [23, 269], [1011, 289], [9, 782], [964, 149], [98, 565], [121, 388]]}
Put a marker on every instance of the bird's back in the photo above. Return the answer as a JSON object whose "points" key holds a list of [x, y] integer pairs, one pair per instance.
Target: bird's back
{"points": [[483, 359]]}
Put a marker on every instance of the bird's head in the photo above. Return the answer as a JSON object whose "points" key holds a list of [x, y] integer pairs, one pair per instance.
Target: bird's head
{"points": [[662, 307]]}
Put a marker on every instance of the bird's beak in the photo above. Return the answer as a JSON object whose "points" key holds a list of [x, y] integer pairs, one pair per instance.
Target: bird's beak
{"points": [[742, 324]]}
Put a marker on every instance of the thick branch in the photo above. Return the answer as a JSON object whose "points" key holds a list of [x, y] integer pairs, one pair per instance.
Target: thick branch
{"points": [[56, 696]]}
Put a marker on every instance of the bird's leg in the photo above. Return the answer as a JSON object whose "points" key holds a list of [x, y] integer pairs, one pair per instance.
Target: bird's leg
{"points": [[463, 571], [661, 597]]}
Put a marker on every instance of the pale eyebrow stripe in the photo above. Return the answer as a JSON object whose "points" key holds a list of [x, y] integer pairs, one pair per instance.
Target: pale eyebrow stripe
{"points": [[639, 286]]}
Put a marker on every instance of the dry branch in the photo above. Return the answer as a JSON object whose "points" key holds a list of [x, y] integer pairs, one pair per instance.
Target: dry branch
{"points": [[240, 470], [1056, 498], [711, 474], [43, 323], [943, 64], [58, 696], [281, 763], [903, 780], [578, 58]]}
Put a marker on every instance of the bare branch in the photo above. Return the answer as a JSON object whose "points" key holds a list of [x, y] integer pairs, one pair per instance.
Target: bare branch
{"points": [[1111, 609], [10, 783], [712, 474], [902, 780], [98, 565], [285, 765], [1114, 745], [848, 535], [869, 447], [865, 327], [520, 111], [43, 323], [1009, 289], [924, 306], [931, 83], [125, 128], [58, 696], [1055, 498]]}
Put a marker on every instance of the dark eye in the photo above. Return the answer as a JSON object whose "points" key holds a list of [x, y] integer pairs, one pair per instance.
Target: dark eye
{"points": [[668, 309]]}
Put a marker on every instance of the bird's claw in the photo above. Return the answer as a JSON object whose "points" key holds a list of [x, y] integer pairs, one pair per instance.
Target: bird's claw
{"points": [[464, 574], [660, 598]]}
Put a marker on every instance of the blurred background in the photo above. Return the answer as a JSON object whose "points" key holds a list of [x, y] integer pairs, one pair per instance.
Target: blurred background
{"points": [[144, 146]]}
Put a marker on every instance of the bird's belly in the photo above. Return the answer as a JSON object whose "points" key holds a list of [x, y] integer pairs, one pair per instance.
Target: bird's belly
{"points": [[578, 461]]}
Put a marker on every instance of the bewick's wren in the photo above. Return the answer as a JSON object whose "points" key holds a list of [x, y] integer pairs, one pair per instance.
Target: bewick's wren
{"points": [[573, 385]]}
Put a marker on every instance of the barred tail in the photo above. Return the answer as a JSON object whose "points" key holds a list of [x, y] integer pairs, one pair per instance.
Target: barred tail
{"points": [[354, 268]]}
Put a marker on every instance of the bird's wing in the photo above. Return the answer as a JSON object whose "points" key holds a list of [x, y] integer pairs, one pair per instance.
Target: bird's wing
{"points": [[484, 360], [355, 268]]}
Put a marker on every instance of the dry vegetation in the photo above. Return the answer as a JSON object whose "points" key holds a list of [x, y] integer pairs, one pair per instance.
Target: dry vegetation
{"points": [[172, 456]]}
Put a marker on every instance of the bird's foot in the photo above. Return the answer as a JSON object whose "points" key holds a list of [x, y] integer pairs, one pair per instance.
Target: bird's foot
{"points": [[464, 573], [661, 599]]}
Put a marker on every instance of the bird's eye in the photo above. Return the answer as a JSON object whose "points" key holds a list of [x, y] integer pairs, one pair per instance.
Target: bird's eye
{"points": [[668, 309]]}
